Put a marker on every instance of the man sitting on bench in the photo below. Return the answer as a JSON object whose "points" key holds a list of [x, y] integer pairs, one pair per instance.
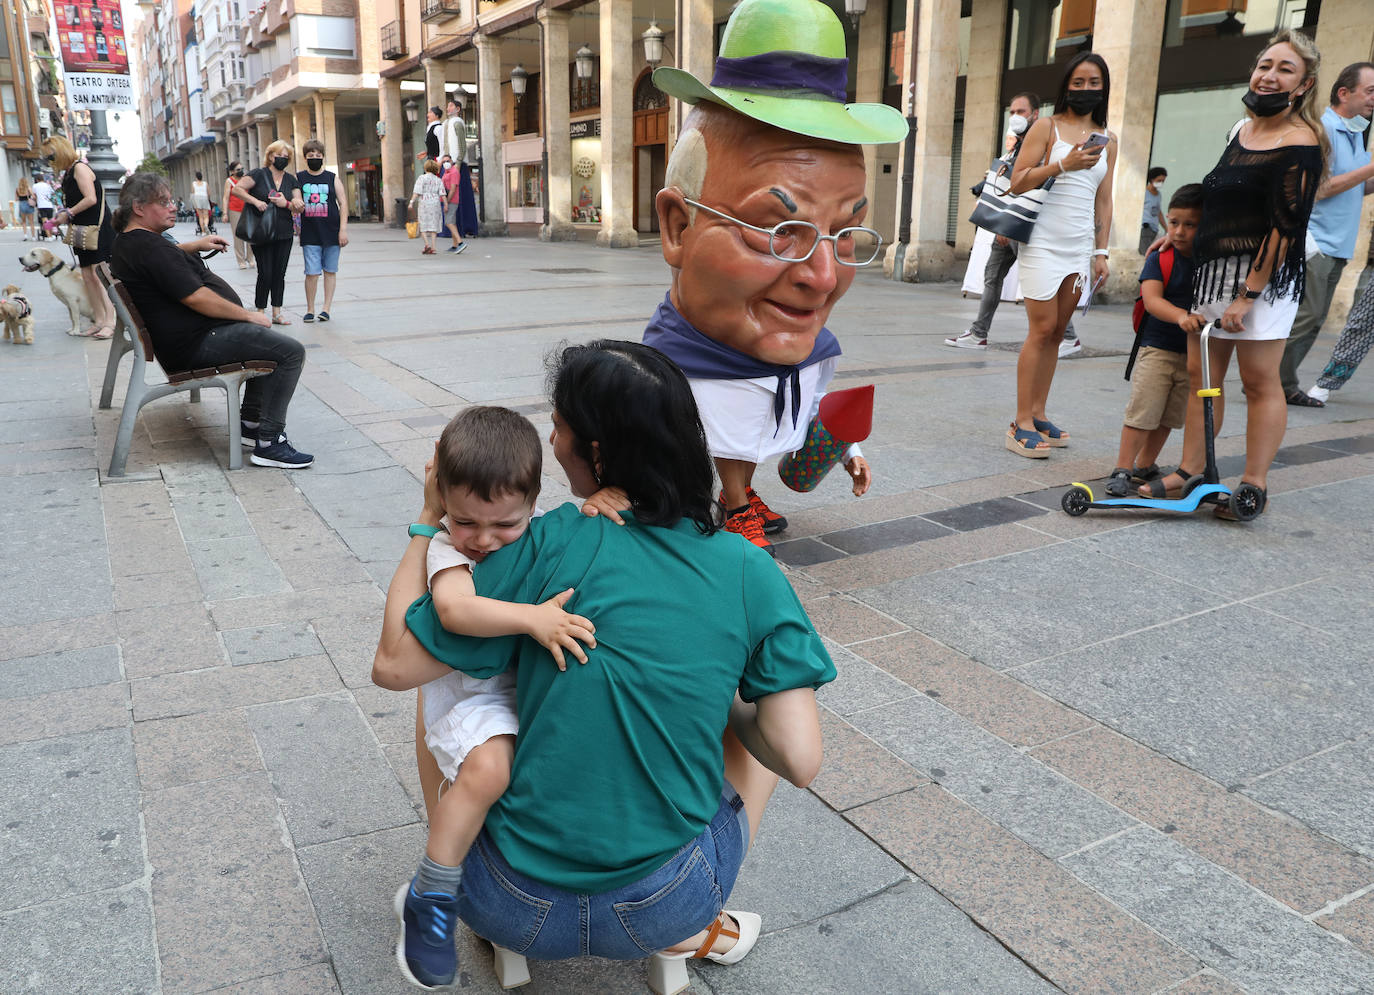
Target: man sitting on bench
{"points": [[197, 321]]}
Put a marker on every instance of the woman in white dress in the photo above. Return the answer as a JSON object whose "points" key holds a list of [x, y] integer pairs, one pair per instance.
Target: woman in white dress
{"points": [[1069, 241], [200, 202]]}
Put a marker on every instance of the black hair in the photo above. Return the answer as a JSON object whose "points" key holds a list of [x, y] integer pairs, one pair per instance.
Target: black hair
{"points": [[1061, 102], [491, 451], [1187, 197], [1030, 95], [1154, 173], [637, 406], [1348, 79], [437, 111], [233, 166], [198, 176]]}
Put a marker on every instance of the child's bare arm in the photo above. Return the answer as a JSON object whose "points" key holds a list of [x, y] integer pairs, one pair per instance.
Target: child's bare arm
{"points": [[462, 611], [1152, 295], [610, 502]]}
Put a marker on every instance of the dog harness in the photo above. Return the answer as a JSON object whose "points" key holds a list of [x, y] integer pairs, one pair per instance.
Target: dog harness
{"points": [[23, 302]]}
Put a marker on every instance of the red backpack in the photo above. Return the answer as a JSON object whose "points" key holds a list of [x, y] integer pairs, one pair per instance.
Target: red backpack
{"points": [[1166, 269]]}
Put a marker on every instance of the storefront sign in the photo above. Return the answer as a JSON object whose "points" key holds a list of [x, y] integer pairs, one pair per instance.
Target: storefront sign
{"points": [[95, 62], [361, 166], [585, 129]]}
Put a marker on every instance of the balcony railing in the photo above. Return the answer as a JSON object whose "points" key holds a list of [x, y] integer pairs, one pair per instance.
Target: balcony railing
{"points": [[440, 10], [394, 40]]}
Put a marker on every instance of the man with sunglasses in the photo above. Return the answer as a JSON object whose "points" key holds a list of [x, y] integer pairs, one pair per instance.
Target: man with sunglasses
{"points": [[762, 221]]}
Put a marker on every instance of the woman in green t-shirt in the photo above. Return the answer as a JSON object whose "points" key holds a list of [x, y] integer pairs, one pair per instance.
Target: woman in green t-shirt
{"points": [[640, 778]]}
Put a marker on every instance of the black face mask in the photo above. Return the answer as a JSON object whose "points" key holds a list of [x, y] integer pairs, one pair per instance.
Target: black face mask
{"points": [[1083, 101], [315, 164], [1266, 104], [279, 163]]}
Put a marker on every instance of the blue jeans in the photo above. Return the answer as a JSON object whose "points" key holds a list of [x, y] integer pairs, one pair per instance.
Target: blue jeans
{"points": [[680, 898], [265, 398]]}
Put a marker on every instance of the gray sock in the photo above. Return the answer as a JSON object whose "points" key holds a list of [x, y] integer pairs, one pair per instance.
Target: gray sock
{"points": [[432, 878]]}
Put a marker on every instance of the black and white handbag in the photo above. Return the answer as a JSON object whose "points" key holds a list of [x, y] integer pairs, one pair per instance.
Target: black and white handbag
{"points": [[1002, 212]]}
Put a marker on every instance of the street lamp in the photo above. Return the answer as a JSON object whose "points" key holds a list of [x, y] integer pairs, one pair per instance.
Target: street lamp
{"points": [[653, 43], [412, 110], [585, 62], [855, 9], [518, 78]]}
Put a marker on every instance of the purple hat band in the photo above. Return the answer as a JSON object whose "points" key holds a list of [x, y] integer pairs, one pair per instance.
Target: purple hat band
{"points": [[828, 78]]}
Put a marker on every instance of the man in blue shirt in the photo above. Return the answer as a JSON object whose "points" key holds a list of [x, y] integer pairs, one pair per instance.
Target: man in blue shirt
{"points": [[1335, 221]]}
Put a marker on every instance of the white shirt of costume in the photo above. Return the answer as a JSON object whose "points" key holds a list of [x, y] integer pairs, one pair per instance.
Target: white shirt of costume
{"points": [[462, 712], [453, 140], [739, 420]]}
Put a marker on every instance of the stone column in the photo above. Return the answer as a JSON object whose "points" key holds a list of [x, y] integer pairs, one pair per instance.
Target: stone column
{"points": [[266, 133], [434, 85], [696, 50], [326, 130], [301, 130], [492, 134], [929, 256], [1129, 37], [617, 125], [869, 78], [982, 109], [557, 144], [285, 130], [1345, 34], [393, 167]]}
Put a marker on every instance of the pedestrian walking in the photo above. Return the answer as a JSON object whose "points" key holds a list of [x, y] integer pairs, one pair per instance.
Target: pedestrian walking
{"points": [[82, 191], [1355, 340], [1022, 112], [1335, 222], [200, 203], [1152, 220], [271, 188], [1250, 251], [429, 192], [452, 179], [454, 144], [43, 194], [324, 227], [28, 207], [243, 252], [1067, 251]]}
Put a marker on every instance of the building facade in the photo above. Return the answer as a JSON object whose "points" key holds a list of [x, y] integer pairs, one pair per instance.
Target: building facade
{"points": [[32, 94]]}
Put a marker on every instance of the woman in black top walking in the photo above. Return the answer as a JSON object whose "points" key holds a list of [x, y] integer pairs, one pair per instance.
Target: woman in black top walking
{"points": [[85, 202], [271, 188], [1250, 253]]}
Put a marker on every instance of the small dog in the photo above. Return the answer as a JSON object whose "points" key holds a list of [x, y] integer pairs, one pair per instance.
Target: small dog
{"points": [[18, 316], [65, 283]]}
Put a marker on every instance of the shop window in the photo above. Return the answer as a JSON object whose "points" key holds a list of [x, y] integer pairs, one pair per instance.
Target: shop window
{"points": [[1190, 131], [1041, 32], [523, 185], [1192, 20]]}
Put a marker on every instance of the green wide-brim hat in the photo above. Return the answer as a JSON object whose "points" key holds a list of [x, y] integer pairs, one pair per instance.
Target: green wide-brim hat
{"points": [[783, 62]]}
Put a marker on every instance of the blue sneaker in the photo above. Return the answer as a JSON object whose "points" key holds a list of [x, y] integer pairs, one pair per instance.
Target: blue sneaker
{"points": [[248, 436], [425, 950], [280, 453]]}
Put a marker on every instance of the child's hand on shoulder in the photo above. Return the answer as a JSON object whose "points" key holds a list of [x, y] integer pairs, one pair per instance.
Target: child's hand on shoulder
{"points": [[610, 502], [1192, 323], [434, 501], [556, 630]]}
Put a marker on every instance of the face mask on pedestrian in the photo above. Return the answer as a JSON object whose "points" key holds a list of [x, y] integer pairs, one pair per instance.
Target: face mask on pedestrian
{"points": [[315, 165], [1356, 124], [280, 162], [1017, 124], [1266, 104], [1083, 101]]}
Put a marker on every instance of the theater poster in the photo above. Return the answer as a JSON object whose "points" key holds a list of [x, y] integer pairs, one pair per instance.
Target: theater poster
{"points": [[95, 58]]}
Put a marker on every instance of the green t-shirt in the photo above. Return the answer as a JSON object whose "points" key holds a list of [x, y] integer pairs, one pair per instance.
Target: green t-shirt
{"points": [[619, 763]]}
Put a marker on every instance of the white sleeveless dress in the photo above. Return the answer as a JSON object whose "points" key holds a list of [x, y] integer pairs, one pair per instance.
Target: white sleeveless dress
{"points": [[1061, 243]]}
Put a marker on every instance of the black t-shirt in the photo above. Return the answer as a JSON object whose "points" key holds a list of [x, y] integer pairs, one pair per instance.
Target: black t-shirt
{"points": [[158, 275], [1178, 292], [320, 219], [263, 185]]}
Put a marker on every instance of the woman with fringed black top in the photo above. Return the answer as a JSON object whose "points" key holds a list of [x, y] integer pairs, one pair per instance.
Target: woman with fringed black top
{"points": [[1250, 254]]}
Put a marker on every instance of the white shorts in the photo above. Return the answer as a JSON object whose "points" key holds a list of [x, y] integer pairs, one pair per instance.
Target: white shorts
{"points": [[462, 712], [1266, 319]]}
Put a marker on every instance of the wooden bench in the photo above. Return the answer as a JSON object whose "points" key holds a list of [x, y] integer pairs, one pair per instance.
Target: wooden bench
{"points": [[131, 335]]}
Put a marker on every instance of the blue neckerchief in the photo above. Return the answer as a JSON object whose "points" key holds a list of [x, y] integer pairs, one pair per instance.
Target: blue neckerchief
{"points": [[705, 358]]}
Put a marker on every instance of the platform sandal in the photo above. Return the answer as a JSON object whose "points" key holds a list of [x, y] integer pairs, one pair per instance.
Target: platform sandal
{"points": [[1026, 443], [668, 972], [1053, 434]]}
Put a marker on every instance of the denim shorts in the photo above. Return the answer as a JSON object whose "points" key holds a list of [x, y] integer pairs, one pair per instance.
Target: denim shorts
{"points": [[320, 259], [679, 899]]}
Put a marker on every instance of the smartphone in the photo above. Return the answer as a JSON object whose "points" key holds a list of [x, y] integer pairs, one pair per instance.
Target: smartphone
{"points": [[1096, 140]]}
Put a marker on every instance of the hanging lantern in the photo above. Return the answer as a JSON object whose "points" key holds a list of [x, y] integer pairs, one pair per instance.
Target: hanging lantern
{"points": [[518, 78], [586, 62], [412, 110], [653, 43], [855, 9]]}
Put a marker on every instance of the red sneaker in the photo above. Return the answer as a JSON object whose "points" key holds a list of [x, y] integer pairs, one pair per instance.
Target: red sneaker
{"points": [[772, 521], [748, 524]]}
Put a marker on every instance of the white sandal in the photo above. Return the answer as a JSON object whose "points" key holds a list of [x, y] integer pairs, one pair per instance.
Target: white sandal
{"points": [[668, 972]]}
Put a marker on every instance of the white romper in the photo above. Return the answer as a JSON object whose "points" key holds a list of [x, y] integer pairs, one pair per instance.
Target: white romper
{"points": [[462, 712], [1061, 243]]}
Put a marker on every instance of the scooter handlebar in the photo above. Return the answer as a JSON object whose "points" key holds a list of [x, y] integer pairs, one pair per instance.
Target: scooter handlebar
{"points": [[1207, 390]]}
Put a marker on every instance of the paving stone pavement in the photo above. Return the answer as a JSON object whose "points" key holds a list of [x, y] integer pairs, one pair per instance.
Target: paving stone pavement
{"points": [[1116, 753]]}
